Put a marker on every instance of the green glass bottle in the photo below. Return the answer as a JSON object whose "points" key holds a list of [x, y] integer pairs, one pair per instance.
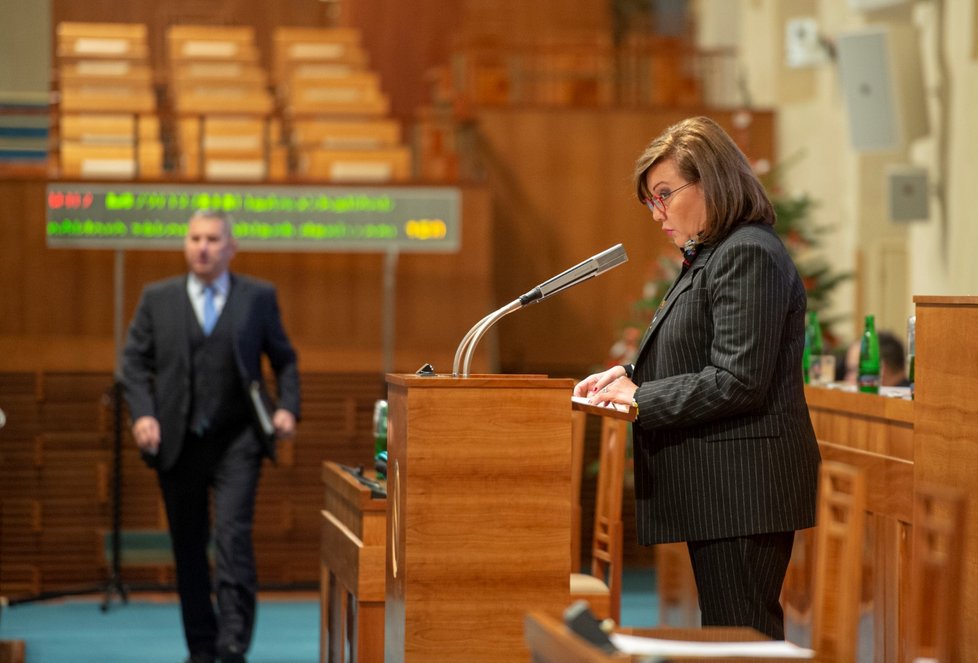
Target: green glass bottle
{"points": [[812, 358], [806, 356], [380, 430], [869, 358]]}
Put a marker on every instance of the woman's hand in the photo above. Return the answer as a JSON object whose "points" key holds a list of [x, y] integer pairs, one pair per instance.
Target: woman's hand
{"points": [[610, 386]]}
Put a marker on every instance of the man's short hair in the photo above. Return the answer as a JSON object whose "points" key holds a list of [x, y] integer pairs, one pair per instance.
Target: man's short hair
{"points": [[892, 352]]}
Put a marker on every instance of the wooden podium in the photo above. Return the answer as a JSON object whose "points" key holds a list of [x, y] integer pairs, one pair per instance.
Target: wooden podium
{"points": [[478, 514]]}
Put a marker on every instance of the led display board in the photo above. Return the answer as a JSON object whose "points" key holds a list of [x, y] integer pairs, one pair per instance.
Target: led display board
{"points": [[266, 217]]}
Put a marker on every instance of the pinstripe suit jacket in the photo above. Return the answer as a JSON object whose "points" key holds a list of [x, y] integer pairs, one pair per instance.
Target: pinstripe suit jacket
{"points": [[724, 445]]}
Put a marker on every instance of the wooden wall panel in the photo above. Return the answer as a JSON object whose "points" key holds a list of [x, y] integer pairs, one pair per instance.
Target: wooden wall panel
{"points": [[56, 490]]}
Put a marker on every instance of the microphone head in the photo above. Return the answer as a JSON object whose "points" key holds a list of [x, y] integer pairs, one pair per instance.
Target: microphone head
{"points": [[582, 271], [610, 258]]}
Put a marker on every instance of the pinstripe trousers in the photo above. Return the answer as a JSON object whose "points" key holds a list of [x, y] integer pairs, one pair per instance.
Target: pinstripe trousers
{"points": [[739, 580]]}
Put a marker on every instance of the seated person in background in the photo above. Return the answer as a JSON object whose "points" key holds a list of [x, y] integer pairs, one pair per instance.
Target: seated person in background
{"points": [[893, 361]]}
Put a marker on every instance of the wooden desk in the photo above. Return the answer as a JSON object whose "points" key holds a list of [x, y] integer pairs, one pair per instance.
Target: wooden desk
{"points": [[550, 641], [352, 576]]}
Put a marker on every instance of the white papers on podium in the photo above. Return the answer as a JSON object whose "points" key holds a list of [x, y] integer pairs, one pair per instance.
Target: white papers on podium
{"points": [[621, 407], [613, 410], [633, 644]]}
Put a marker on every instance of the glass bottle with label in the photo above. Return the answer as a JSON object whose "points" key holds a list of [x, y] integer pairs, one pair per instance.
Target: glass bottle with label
{"points": [[380, 430], [869, 358]]}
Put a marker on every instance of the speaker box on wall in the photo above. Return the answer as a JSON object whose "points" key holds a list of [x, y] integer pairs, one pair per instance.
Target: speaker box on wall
{"points": [[882, 85], [907, 192]]}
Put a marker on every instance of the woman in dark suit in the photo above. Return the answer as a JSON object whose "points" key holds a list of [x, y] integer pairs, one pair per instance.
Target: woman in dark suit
{"points": [[725, 454]]}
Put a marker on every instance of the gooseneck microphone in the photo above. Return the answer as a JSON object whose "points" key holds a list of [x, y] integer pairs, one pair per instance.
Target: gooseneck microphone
{"points": [[593, 266]]}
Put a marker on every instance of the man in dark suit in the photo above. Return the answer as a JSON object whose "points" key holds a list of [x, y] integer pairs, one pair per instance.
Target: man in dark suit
{"points": [[193, 381], [725, 453]]}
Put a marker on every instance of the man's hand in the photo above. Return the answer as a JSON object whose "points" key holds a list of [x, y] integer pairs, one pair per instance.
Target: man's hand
{"points": [[284, 422], [146, 431]]}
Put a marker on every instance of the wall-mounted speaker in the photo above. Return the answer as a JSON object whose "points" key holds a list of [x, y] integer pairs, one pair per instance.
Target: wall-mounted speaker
{"points": [[907, 193], [882, 84]]}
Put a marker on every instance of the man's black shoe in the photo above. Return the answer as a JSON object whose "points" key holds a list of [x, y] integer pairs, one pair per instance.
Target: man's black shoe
{"points": [[201, 657], [233, 655]]}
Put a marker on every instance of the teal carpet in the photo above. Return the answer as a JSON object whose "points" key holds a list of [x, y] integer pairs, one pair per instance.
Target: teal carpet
{"points": [[75, 630]]}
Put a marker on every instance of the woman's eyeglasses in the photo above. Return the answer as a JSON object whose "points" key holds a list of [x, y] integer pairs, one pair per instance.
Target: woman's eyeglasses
{"points": [[657, 202]]}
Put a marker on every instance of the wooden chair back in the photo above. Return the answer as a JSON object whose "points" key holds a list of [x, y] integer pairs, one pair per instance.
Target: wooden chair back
{"points": [[676, 586], [603, 589], [345, 134], [322, 50], [92, 41], [387, 164], [840, 527], [211, 42], [935, 573], [550, 641]]}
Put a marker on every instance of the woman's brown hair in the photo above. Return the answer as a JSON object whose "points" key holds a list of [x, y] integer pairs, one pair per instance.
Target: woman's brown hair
{"points": [[703, 152]]}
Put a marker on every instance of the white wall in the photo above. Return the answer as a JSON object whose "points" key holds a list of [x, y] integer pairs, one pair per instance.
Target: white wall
{"points": [[894, 261]]}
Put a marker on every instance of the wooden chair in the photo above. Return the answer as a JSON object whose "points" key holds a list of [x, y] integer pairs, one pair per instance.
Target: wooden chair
{"points": [[602, 587], [116, 41], [312, 51], [13, 651], [219, 72], [676, 585], [108, 128], [389, 164], [111, 161], [838, 547], [357, 95], [344, 134], [119, 97], [935, 573], [211, 42], [839, 532], [105, 72]]}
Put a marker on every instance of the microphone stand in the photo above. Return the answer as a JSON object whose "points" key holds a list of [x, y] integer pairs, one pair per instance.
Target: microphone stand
{"points": [[114, 585], [582, 271], [474, 335]]}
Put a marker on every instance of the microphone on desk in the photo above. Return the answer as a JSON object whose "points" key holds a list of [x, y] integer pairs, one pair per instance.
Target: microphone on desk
{"points": [[596, 264]]}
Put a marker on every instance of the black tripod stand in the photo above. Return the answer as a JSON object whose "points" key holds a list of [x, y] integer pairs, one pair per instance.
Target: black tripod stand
{"points": [[114, 586]]}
